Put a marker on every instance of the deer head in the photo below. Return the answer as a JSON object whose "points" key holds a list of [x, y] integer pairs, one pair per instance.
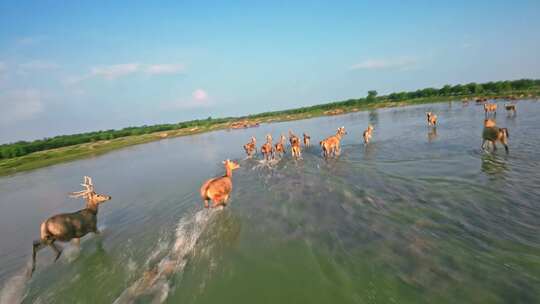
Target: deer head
{"points": [[89, 194]]}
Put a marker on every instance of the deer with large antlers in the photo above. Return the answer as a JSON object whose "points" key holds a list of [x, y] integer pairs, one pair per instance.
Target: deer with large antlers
{"points": [[70, 226], [251, 147], [218, 189], [331, 145]]}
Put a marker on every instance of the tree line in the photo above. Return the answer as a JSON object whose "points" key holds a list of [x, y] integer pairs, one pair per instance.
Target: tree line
{"points": [[21, 148]]}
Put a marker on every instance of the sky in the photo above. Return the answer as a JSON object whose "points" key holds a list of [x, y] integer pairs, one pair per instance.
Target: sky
{"points": [[74, 66]]}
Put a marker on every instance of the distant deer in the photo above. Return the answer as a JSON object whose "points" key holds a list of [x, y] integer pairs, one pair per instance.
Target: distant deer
{"points": [[510, 108], [267, 149], [70, 226], [331, 145], [492, 134], [431, 119], [280, 146], [294, 140], [367, 134], [218, 189], [307, 140], [251, 147], [490, 108]]}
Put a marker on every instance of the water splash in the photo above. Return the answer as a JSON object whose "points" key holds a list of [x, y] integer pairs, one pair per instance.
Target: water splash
{"points": [[154, 283]]}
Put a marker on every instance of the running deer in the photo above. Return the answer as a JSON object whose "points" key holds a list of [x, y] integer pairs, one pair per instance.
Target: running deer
{"points": [[280, 146], [493, 134], [251, 147], [331, 145], [296, 150], [70, 226], [367, 134], [431, 119], [307, 140], [267, 149], [490, 108], [218, 189]]}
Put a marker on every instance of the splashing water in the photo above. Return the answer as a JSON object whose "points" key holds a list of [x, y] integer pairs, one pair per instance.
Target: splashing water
{"points": [[154, 282]]}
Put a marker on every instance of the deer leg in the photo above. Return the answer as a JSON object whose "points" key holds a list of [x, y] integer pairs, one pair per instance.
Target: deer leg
{"points": [[206, 203], [56, 249], [494, 144], [37, 246]]}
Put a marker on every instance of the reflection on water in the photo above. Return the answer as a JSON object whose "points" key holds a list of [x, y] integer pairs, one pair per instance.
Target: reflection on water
{"points": [[400, 220], [432, 134]]}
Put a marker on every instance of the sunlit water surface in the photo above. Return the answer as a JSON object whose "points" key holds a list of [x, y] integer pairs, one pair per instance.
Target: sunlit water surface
{"points": [[417, 216]]}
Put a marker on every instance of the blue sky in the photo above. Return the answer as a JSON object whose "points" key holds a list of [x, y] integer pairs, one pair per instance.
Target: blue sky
{"points": [[80, 66]]}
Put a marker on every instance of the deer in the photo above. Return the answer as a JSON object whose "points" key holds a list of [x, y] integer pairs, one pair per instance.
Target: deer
{"points": [[70, 226], [510, 108], [280, 146], [218, 189], [331, 145], [307, 140], [431, 119], [294, 140], [367, 134], [267, 149], [492, 134], [251, 147], [490, 108]]}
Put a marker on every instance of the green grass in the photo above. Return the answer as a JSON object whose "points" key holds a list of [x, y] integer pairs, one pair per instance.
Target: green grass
{"points": [[54, 156]]}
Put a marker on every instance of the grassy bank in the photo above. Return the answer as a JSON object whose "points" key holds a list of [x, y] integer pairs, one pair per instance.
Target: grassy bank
{"points": [[54, 156]]}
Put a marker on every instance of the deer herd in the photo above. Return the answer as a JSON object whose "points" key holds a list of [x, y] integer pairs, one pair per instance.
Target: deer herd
{"points": [[66, 227]]}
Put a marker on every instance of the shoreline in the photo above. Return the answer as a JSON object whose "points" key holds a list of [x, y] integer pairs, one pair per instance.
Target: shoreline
{"points": [[50, 157]]}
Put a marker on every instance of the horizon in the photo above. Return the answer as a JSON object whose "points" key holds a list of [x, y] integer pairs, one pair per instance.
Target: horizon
{"points": [[80, 67]]}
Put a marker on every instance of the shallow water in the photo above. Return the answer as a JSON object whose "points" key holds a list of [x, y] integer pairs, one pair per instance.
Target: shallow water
{"points": [[417, 216]]}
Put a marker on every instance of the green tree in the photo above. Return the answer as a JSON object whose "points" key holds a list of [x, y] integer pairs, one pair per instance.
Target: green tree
{"points": [[371, 95]]}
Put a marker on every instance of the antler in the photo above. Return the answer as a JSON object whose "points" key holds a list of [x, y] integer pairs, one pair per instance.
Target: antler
{"points": [[89, 188]]}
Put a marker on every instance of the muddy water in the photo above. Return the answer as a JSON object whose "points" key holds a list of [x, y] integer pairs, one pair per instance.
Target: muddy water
{"points": [[417, 216]]}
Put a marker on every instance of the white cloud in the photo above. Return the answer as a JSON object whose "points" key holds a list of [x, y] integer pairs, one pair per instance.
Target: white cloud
{"points": [[200, 95], [114, 71], [379, 64], [38, 65], [199, 99], [20, 105], [167, 68]]}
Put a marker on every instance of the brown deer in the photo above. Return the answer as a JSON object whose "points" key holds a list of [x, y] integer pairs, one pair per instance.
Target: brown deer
{"points": [[280, 146], [294, 140], [490, 108], [267, 149], [70, 226], [307, 140], [251, 147], [431, 119], [367, 134], [218, 189], [510, 108], [492, 134], [331, 145]]}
